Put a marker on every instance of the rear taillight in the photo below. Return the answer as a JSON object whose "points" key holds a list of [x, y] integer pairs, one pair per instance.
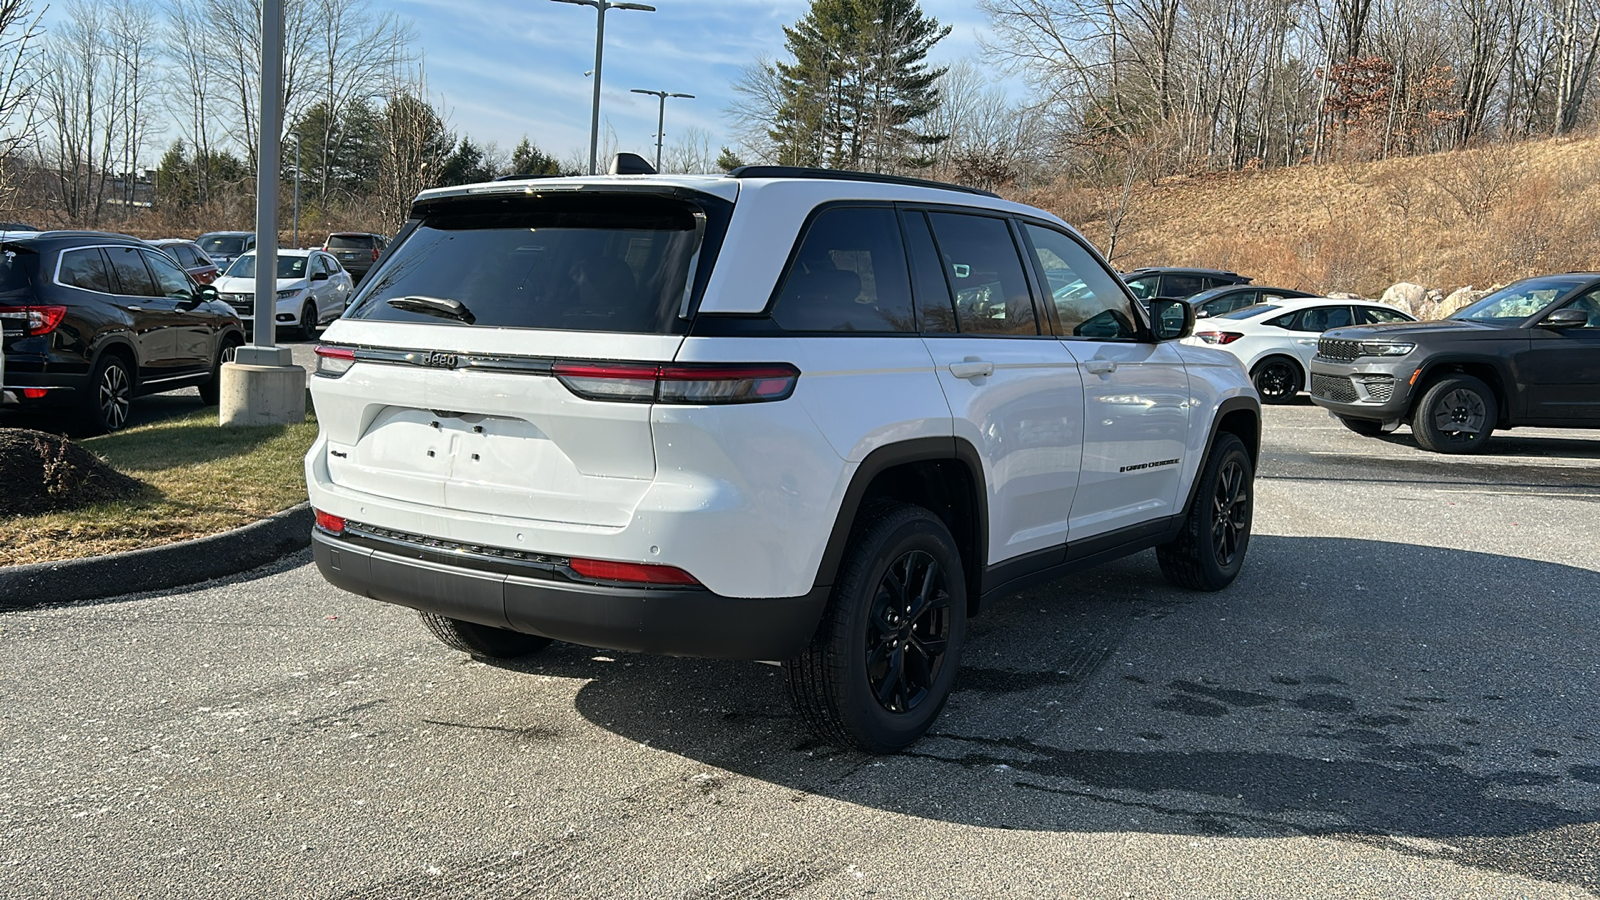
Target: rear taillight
{"points": [[330, 523], [374, 254], [693, 384], [334, 361], [36, 320], [1219, 337], [636, 573]]}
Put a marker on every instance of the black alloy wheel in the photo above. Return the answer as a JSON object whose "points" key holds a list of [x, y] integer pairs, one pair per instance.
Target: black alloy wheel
{"points": [[1277, 380], [109, 397], [1209, 551], [908, 632], [1456, 415], [308, 321], [1230, 516]]}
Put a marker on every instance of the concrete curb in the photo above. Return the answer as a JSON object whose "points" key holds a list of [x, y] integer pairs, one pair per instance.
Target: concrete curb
{"points": [[157, 568]]}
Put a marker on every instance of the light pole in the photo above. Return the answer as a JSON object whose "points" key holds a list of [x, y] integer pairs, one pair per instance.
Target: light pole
{"points": [[296, 137], [600, 6], [661, 116]]}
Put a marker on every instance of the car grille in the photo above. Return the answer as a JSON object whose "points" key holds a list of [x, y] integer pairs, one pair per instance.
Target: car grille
{"points": [[1333, 387], [245, 303], [1379, 389], [1338, 350]]}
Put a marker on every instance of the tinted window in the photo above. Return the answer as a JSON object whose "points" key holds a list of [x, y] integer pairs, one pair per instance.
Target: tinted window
{"points": [[85, 269], [1320, 318], [222, 244], [170, 280], [1143, 287], [980, 259], [588, 263], [935, 309], [132, 278], [1248, 312], [350, 242], [1181, 286], [1369, 315], [1089, 303], [849, 275], [16, 269]]}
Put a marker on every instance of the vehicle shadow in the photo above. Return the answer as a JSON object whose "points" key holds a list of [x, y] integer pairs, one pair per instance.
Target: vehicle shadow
{"points": [[145, 410], [1434, 701], [1528, 442]]}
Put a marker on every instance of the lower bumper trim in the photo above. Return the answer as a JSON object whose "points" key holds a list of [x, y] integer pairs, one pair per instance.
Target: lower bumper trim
{"points": [[675, 622]]}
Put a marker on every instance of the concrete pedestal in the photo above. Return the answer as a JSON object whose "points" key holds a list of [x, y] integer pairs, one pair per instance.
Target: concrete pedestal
{"points": [[262, 395]]}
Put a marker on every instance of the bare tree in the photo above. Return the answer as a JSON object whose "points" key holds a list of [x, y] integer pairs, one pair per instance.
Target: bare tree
{"points": [[356, 48], [19, 34], [414, 142], [691, 153]]}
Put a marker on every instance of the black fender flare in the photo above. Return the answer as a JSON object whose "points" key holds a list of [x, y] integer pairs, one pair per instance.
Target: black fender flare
{"points": [[1252, 444]]}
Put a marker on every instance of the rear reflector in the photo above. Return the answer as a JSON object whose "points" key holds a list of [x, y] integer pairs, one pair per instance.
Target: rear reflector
{"points": [[637, 573], [34, 393], [334, 361], [693, 384], [330, 523]]}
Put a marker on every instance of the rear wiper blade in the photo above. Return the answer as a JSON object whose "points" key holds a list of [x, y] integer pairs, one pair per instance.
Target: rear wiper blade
{"points": [[442, 307]]}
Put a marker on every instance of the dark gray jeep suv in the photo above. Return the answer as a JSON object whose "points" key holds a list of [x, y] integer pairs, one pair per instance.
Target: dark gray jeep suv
{"points": [[1528, 354]]}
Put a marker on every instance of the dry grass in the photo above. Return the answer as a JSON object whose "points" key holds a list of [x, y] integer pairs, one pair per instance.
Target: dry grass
{"points": [[204, 479], [1475, 217]]}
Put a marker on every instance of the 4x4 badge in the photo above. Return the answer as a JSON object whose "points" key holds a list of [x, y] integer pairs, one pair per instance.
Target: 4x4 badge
{"points": [[437, 360]]}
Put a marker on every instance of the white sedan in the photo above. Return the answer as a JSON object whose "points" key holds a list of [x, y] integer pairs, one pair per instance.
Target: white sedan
{"points": [[313, 289], [1275, 341]]}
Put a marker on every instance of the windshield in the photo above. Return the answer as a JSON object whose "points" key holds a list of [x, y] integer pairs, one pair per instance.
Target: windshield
{"points": [[582, 263], [222, 244], [1248, 312], [1519, 301], [1144, 288], [288, 267]]}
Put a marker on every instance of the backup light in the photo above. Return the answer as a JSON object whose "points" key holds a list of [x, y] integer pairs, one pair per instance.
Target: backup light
{"points": [[333, 361]]}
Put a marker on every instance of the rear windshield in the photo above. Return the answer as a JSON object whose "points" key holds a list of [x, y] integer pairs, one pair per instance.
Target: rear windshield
{"points": [[288, 267], [612, 263], [349, 242], [222, 244], [15, 267]]}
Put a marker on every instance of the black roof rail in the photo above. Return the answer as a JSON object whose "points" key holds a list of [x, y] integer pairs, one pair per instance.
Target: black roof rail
{"points": [[515, 177], [847, 175]]}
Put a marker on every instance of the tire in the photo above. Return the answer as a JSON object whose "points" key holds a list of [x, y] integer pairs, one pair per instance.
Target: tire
{"points": [[1209, 552], [1364, 427], [308, 321], [1456, 414], [105, 406], [877, 673], [211, 391], [482, 640], [1277, 380]]}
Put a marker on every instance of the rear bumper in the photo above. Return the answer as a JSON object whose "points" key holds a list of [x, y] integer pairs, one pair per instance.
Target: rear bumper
{"points": [[672, 621]]}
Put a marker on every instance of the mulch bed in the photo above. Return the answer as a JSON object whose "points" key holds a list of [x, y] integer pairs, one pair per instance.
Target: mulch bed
{"points": [[42, 472]]}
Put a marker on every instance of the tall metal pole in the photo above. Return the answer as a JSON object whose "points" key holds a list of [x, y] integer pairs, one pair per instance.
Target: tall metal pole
{"points": [[661, 117], [267, 172], [296, 190], [594, 115]]}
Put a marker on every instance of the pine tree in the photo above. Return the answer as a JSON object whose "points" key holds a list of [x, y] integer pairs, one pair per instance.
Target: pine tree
{"points": [[859, 86], [528, 159]]}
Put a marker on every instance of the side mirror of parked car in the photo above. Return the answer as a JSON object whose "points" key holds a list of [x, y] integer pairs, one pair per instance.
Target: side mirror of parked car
{"points": [[1174, 319], [1566, 318], [206, 293]]}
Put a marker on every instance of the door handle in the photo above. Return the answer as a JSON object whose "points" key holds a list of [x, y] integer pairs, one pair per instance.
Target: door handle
{"points": [[1100, 366], [971, 367]]}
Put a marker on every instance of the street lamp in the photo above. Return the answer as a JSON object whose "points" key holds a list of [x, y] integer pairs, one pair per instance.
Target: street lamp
{"points": [[600, 6], [661, 116], [296, 137]]}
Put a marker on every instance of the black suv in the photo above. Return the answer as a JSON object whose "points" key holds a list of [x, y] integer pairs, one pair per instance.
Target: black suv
{"points": [[1528, 354], [357, 251], [92, 320], [1177, 283]]}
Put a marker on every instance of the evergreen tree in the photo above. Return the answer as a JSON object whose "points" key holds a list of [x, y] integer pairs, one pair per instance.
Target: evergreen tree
{"points": [[175, 178], [859, 86], [350, 167], [528, 159], [465, 165], [728, 160]]}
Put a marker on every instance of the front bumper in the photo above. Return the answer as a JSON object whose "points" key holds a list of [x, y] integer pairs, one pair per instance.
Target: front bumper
{"points": [[672, 621], [1375, 390]]}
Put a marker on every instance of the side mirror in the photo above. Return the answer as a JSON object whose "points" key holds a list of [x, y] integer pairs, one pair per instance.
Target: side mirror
{"points": [[1566, 318], [319, 276], [206, 294], [1174, 319]]}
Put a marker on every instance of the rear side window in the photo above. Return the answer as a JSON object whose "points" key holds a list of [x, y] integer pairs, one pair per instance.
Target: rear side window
{"points": [[980, 259], [612, 263], [934, 307], [1367, 315], [849, 275], [350, 242], [132, 278], [1321, 318], [85, 269]]}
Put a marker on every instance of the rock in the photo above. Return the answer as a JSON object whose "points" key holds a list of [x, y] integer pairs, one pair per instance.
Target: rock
{"points": [[1458, 299], [42, 472], [1343, 295], [1405, 296]]}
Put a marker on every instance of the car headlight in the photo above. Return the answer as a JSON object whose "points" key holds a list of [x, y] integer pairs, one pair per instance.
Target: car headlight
{"points": [[289, 294], [1386, 348]]}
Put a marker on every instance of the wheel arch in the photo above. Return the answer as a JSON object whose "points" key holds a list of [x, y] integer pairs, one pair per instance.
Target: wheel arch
{"points": [[121, 347], [1269, 355], [1486, 371], [1240, 416], [943, 475]]}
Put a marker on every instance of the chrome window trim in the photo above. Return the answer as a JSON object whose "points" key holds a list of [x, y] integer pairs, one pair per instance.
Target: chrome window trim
{"points": [[56, 278]]}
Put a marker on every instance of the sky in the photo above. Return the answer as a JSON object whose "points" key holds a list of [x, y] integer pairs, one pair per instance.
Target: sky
{"points": [[507, 69]]}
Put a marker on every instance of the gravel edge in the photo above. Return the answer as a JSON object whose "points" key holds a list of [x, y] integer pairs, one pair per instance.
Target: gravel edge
{"points": [[157, 568]]}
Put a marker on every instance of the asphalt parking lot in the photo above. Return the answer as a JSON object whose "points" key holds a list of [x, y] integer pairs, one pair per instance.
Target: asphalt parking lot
{"points": [[1397, 698]]}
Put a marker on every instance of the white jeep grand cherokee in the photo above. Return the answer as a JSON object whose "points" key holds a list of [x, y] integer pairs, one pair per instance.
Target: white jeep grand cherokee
{"points": [[782, 414]]}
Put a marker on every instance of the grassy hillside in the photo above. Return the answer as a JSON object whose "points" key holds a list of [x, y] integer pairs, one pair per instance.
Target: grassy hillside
{"points": [[1476, 217]]}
